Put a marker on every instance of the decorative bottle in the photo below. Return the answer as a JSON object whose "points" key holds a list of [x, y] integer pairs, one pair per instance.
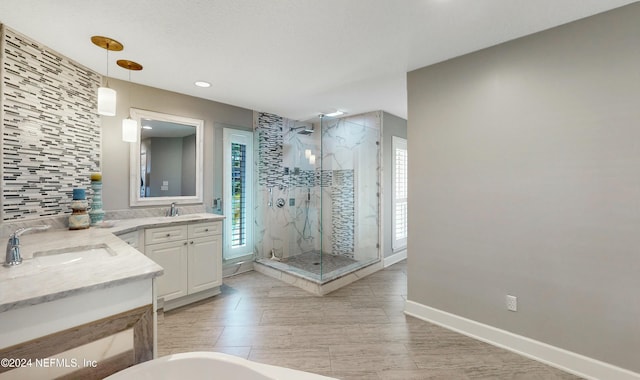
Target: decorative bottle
{"points": [[96, 213], [79, 218]]}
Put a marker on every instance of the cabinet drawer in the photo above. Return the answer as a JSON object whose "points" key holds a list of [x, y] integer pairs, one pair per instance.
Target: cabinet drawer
{"points": [[205, 229], [165, 234]]}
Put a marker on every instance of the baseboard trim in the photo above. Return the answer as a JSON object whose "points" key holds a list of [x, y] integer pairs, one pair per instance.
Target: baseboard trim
{"points": [[568, 361], [191, 298], [234, 269], [395, 258]]}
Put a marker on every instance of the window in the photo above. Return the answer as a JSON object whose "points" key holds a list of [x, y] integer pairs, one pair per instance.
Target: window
{"points": [[399, 193], [238, 161], [238, 195]]}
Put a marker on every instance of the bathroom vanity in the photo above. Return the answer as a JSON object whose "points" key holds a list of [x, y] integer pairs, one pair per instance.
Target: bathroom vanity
{"points": [[76, 292], [92, 294], [189, 249]]}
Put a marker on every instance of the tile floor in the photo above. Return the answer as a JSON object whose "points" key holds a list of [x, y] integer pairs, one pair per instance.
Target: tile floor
{"points": [[357, 332]]}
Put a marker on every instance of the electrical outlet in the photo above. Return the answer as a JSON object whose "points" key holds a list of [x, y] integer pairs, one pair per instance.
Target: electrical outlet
{"points": [[512, 303]]}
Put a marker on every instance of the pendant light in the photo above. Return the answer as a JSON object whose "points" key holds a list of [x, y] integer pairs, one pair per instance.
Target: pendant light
{"points": [[129, 126], [106, 95]]}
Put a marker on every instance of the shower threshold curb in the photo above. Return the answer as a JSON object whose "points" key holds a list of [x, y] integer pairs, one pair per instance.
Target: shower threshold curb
{"points": [[278, 271]]}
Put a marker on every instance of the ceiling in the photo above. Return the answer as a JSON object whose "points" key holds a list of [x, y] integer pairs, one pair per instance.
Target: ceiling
{"points": [[295, 58]]}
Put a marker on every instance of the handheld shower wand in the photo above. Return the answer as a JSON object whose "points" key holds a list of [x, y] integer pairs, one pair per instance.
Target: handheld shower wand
{"points": [[306, 230]]}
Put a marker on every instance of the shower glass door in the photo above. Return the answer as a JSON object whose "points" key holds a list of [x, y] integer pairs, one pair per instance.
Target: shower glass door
{"points": [[350, 213], [303, 158], [317, 200]]}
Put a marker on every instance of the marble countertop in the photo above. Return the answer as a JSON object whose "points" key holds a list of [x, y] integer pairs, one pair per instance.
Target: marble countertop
{"points": [[31, 283], [127, 225]]}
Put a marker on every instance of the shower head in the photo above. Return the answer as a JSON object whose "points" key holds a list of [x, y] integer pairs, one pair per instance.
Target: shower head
{"points": [[305, 129]]}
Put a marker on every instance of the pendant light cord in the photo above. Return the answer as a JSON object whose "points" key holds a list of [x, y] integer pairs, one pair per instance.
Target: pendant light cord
{"points": [[130, 90], [107, 78]]}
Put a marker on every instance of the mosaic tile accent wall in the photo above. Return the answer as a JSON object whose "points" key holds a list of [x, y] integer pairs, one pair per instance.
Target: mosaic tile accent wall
{"points": [[270, 169], [51, 138], [309, 178], [343, 213]]}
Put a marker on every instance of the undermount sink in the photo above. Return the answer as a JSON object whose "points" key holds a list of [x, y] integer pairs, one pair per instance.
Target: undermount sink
{"points": [[71, 255], [44, 261], [185, 216]]}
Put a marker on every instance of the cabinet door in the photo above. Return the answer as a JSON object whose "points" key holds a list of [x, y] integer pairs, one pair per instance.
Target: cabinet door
{"points": [[172, 257], [205, 263], [130, 238]]}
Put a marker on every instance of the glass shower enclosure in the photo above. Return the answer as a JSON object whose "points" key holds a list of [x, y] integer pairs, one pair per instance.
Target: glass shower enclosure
{"points": [[317, 206]]}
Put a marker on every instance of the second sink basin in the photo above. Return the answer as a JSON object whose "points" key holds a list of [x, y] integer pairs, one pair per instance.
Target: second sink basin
{"points": [[185, 216]]}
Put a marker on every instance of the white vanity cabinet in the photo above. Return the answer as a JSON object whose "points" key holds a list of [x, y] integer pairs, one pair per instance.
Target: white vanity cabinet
{"points": [[167, 246], [191, 255], [204, 257]]}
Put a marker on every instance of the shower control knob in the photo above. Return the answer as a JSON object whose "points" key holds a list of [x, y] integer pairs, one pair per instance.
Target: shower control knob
{"points": [[280, 202]]}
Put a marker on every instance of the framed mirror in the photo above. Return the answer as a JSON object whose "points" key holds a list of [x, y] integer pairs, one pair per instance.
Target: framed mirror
{"points": [[166, 161]]}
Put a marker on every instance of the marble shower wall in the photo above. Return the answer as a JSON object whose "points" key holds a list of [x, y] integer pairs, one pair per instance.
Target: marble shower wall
{"points": [[268, 225], [328, 189], [51, 137]]}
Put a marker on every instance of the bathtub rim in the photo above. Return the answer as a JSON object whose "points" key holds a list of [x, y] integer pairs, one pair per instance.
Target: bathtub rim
{"points": [[275, 372]]}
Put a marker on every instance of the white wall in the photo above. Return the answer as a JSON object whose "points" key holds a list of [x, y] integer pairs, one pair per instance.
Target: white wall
{"points": [[525, 180]]}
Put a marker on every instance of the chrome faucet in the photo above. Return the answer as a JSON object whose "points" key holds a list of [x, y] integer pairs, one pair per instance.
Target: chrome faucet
{"points": [[13, 256], [173, 210]]}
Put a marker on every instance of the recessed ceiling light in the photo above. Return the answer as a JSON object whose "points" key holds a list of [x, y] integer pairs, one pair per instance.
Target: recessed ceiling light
{"points": [[203, 84], [334, 114], [147, 127]]}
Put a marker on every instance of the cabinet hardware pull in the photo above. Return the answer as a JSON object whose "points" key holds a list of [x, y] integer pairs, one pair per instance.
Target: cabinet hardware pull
{"points": [[192, 242], [206, 230], [185, 243], [168, 235]]}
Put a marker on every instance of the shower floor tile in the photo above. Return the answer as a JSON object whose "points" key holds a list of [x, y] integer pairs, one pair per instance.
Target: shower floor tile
{"points": [[311, 262]]}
